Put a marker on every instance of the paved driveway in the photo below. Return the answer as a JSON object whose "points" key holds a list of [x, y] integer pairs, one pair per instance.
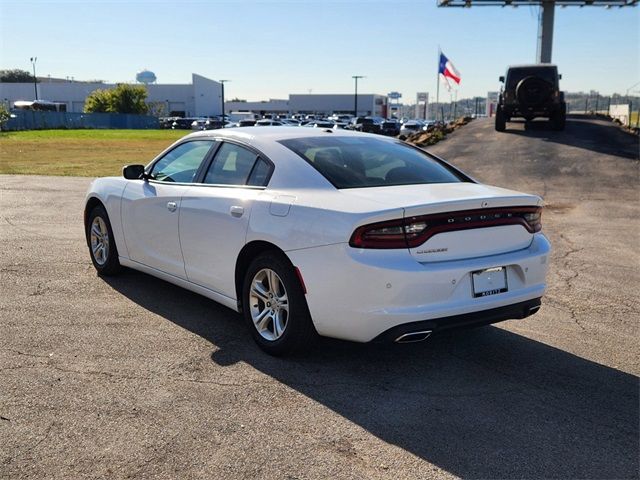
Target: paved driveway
{"points": [[133, 377]]}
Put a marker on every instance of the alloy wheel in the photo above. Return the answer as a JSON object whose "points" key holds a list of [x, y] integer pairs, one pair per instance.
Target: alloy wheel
{"points": [[99, 241], [269, 304]]}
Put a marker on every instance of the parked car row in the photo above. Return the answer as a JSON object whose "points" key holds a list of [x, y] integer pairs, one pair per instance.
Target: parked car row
{"points": [[390, 127]]}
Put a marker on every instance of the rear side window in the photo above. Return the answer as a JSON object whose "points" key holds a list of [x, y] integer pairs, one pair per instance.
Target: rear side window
{"points": [[236, 165], [231, 165], [260, 174], [356, 162]]}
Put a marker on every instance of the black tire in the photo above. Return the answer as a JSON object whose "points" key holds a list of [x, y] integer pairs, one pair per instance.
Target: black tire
{"points": [[109, 264], [501, 122], [558, 121], [298, 332]]}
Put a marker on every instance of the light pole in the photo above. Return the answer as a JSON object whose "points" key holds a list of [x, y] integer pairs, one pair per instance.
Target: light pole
{"points": [[355, 96], [35, 80], [222, 82]]}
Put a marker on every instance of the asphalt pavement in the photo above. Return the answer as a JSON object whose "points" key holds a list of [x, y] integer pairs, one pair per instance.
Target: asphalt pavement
{"points": [[132, 377]]}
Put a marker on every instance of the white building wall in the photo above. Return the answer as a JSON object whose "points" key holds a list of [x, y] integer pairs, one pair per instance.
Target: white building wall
{"points": [[368, 104], [274, 105], [174, 97], [202, 98], [70, 93], [207, 96]]}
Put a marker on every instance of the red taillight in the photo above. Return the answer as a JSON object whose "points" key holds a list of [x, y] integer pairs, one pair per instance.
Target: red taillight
{"points": [[414, 231], [380, 235]]}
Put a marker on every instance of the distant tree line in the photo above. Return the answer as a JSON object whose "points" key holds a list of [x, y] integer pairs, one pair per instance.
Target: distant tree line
{"points": [[16, 76]]}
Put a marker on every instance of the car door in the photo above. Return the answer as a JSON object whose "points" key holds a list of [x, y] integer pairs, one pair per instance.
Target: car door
{"points": [[151, 208], [214, 216]]}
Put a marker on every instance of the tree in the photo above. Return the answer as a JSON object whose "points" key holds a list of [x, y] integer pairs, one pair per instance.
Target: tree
{"points": [[4, 115], [16, 76], [98, 101], [129, 99], [122, 99]]}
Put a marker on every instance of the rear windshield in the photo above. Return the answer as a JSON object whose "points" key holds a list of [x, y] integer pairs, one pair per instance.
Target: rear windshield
{"points": [[516, 74], [356, 162]]}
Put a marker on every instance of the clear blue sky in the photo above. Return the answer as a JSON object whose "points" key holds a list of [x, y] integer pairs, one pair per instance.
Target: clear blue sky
{"points": [[272, 48]]}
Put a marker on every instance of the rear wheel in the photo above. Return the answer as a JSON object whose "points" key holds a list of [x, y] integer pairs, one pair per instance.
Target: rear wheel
{"points": [[102, 246], [274, 306], [501, 122]]}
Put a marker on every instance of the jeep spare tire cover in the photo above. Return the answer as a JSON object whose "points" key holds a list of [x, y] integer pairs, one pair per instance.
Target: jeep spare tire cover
{"points": [[533, 91]]}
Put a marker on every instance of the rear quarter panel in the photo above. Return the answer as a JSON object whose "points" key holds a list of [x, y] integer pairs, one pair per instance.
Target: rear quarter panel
{"points": [[296, 219]]}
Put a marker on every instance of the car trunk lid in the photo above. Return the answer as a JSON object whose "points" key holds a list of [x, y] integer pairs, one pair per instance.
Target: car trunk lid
{"points": [[458, 220]]}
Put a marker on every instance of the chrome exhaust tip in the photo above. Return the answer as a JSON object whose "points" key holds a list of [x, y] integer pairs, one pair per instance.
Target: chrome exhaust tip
{"points": [[533, 310], [413, 337]]}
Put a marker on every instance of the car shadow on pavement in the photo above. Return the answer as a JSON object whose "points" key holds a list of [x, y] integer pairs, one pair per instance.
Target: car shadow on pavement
{"points": [[485, 403], [602, 137]]}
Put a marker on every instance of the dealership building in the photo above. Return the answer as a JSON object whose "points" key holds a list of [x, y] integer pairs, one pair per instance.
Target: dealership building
{"points": [[322, 104], [200, 98]]}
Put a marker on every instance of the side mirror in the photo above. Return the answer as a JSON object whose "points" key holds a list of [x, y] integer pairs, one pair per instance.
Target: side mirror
{"points": [[501, 78], [133, 172], [559, 76]]}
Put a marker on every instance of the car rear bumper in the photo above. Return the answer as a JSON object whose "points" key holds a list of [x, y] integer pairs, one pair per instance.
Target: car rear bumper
{"points": [[520, 111], [358, 294], [402, 333]]}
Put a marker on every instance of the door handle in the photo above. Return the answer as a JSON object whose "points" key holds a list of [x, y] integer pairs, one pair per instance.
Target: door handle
{"points": [[236, 211], [172, 206]]}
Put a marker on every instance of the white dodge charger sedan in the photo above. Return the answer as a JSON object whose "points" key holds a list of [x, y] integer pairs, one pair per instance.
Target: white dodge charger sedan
{"points": [[322, 231]]}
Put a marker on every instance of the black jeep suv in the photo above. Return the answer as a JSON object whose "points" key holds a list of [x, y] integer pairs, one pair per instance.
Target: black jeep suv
{"points": [[531, 91]]}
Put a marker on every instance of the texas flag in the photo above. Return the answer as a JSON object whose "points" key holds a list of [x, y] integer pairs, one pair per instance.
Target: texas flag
{"points": [[448, 71]]}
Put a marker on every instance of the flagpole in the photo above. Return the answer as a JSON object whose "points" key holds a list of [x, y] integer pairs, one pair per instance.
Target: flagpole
{"points": [[438, 84]]}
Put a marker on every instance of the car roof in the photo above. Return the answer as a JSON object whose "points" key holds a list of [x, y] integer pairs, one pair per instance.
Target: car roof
{"points": [[271, 134], [266, 139], [293, 170], [533, 65]]}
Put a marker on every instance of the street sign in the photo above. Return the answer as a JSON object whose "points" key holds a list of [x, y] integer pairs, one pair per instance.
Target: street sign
{"points": [[422, 96], [394, 95]]}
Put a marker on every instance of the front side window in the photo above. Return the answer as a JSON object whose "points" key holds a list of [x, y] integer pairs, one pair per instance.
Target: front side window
{"points": [[231, 165], [356, 162], [181, 164]]}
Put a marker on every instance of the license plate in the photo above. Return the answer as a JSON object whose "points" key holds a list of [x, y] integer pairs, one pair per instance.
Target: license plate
{"points": [[489, 282]]}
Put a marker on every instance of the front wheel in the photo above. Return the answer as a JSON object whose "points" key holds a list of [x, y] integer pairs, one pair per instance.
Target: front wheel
{"points": [[102, 246], [274, 306]]}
